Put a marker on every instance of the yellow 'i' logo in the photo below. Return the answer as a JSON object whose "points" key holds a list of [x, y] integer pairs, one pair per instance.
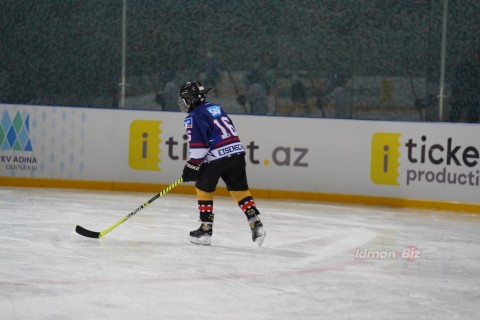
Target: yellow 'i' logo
{"points": [[385, 154], [144, 145]]}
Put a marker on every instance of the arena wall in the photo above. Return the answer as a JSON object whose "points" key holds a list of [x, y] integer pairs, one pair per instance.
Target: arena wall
{"points": [[410, 164]]}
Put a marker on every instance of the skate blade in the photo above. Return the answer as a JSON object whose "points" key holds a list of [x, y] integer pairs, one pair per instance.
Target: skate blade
{"points": [[204, 241], [260, 238]]}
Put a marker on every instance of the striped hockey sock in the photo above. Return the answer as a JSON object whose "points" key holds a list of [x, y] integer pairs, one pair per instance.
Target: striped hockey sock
{"points": [[205, 207], [247, 205]]}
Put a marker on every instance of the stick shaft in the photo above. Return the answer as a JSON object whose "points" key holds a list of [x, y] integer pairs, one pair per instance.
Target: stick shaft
{"points": [[92, 234]]}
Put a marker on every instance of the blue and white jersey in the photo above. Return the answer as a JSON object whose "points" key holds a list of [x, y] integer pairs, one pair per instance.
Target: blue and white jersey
{"points": [[211, 134]]}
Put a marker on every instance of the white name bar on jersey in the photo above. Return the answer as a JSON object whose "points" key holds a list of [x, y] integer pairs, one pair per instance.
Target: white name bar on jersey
{"points": [[225, 151]]}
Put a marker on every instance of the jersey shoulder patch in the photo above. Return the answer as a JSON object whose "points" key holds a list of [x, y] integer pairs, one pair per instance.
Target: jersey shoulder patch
{"points": [[215, 111]]}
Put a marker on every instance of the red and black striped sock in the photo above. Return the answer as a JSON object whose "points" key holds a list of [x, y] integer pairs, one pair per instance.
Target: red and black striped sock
{"points": [[247, 205], [205, 207]]}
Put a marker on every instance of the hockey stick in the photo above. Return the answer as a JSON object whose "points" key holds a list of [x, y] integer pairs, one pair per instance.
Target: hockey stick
{"points": [[92, 234]]}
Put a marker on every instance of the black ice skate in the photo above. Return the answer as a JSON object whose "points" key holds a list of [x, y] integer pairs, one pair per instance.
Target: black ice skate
{"points": [[258, 233], [202, 235]]}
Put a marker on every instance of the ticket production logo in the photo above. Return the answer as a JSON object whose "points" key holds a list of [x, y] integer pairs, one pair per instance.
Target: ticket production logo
{"points": [[443, 161]]}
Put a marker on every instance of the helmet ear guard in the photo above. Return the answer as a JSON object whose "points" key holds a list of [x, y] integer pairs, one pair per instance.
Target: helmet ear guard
{"points": [[183, 104]]}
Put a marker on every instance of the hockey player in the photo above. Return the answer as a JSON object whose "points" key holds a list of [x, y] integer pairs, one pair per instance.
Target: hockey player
{"points": [[215, 152]]}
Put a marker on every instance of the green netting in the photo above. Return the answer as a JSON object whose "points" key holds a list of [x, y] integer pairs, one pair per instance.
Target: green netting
{"points": [[361, 59]]}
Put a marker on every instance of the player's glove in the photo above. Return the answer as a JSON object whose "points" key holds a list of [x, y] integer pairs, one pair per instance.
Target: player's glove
{"points": [[191, 172]]}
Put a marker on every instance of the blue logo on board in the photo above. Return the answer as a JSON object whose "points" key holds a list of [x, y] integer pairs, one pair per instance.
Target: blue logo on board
{"points": [[15, 132]]}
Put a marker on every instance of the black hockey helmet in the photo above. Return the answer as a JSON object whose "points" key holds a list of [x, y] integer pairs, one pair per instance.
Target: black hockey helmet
{"points": [[191, 94]]}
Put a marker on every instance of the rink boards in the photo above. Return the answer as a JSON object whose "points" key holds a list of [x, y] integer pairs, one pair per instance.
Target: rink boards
{"points": [[431, 165]]}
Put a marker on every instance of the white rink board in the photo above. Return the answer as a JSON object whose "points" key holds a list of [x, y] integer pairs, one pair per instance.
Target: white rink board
{"points": [[434, 161]]}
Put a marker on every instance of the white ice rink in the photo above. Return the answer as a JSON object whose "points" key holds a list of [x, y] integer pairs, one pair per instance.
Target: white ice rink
{"points": [[319, 261]]}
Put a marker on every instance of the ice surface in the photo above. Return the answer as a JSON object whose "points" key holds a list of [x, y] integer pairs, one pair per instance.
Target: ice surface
{"points": [[312, 265]]}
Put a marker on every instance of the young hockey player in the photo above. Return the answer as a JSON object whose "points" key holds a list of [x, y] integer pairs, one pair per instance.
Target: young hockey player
{"points": [[215, 152]]}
